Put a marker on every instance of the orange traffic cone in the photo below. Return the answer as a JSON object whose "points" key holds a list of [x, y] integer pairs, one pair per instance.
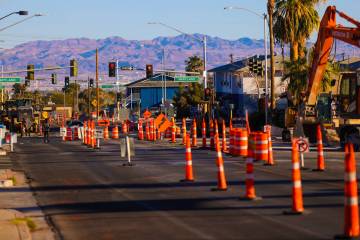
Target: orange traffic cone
{"points": [[106, 133], [249, 181], [184, 130], [222, 185], [320, 151], [173, 131], [270, 161], [147, 130], [84, 137], [141, 131], [189, 176], [203, 132], [297, 198], [115, 132], [224, 144], [194, 134], [351, 228], [212, 141], [151, 134]]}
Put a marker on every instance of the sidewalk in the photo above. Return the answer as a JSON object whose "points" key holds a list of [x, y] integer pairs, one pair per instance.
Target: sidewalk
{"points": [[20, 217]]}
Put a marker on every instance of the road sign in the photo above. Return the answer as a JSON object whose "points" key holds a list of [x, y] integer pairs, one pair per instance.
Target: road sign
{"points": [[303, 144], [107, 86], [186, 79], [10, 79], [62, 132], [147, 114], [99, 133], [94, 103]]}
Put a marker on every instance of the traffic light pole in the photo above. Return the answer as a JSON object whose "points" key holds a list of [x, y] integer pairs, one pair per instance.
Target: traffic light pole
{"points": [[89, 97], [266, 73], [97, 84]]}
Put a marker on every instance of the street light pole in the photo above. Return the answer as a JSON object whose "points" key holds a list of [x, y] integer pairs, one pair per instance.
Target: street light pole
{"points": [[264, 16], [16, 23], [203, 41]]}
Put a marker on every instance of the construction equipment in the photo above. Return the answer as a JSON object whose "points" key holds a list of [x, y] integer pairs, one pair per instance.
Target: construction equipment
{"points": [[318, 107]]}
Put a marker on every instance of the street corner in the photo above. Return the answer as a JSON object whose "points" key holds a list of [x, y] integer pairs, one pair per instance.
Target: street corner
{"points": [[14, 225]]}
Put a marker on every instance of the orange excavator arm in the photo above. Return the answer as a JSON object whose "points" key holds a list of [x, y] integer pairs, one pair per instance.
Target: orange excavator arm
{"points": [[327, 32]]}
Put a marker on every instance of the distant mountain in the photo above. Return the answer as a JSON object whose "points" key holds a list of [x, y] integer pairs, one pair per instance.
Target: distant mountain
{"points": [[133, 52]]}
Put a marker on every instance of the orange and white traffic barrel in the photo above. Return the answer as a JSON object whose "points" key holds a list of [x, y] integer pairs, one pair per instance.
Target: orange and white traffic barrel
{"points": [[243, 142], [262, 146], [106, 133], [115, 132]]}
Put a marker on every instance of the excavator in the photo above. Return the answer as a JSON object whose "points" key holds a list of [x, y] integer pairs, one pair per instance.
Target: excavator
{"points": [[319, 106]]}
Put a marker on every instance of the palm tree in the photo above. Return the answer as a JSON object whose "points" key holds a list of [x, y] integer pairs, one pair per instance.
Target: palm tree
{"points": [[194, 64], [270, 8], [294, 21]]}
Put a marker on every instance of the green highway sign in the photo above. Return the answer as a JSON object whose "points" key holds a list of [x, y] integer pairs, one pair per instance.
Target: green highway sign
{"points": [[187, 79], [10, 79], [107, 86]]}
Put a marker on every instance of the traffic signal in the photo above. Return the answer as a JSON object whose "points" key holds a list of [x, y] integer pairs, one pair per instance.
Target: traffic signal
{"points": [[207, 94], [27, 83], [91, 82], [251, 64], [149, 71], [260, 68], [67, 82], [30, 72], [112, 69], [73, 68], [53, 78]]}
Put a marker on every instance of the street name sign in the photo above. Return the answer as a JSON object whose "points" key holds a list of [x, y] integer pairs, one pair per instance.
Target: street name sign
{"points": [[107, 86], [187, 79], [10, 79]]}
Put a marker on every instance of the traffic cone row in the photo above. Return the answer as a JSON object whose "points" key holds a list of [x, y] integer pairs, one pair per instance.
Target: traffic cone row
{"points": [[194, 134]]}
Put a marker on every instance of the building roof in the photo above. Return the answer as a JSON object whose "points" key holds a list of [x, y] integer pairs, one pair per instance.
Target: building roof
{"points": [[351, 64], [155, 81]]}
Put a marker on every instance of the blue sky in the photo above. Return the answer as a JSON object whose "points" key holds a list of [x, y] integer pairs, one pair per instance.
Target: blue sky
{"points": [[128, 18]]}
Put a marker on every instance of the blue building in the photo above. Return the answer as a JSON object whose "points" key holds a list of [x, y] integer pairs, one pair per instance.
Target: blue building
{"points": [[235, 84], [149, 93]]}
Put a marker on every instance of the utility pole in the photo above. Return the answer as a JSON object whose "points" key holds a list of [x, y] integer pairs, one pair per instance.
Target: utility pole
{"points": [[270, 6], [89, 97], [97, 84]]}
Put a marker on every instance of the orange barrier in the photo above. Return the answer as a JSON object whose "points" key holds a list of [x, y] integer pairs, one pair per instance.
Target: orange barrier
{"points": [[194, 134], [297, 198], [106, 133], [203, 132], [141, 131], [212, 142], [151, 130], [93, 143], [320, 151], [261, 146], [222, 185], [351, 229], [68, 136], [184, 130], [224, 143], [115, 133], [270, 161], [76, 134], [189, 175], [154, 132]]}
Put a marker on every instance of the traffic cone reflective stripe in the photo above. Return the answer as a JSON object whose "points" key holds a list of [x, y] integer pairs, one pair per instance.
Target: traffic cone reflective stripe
{"points": [[194, 135], [203, 132], [222, 185], [270, 156], [320, 150], [173, 131], [296, 177], [189, 176], [147, 131], [351, 195]]}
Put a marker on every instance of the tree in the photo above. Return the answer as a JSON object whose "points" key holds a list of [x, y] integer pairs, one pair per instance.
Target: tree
{"points": [[19, 90], [294, 21], [270, 8], [191, 96]]}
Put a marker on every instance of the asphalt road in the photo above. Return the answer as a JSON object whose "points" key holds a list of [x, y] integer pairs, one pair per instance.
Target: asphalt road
{"points": [[88, 194]]}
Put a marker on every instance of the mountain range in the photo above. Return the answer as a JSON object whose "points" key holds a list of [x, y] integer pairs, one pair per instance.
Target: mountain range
{"points": [[136, 53]]}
